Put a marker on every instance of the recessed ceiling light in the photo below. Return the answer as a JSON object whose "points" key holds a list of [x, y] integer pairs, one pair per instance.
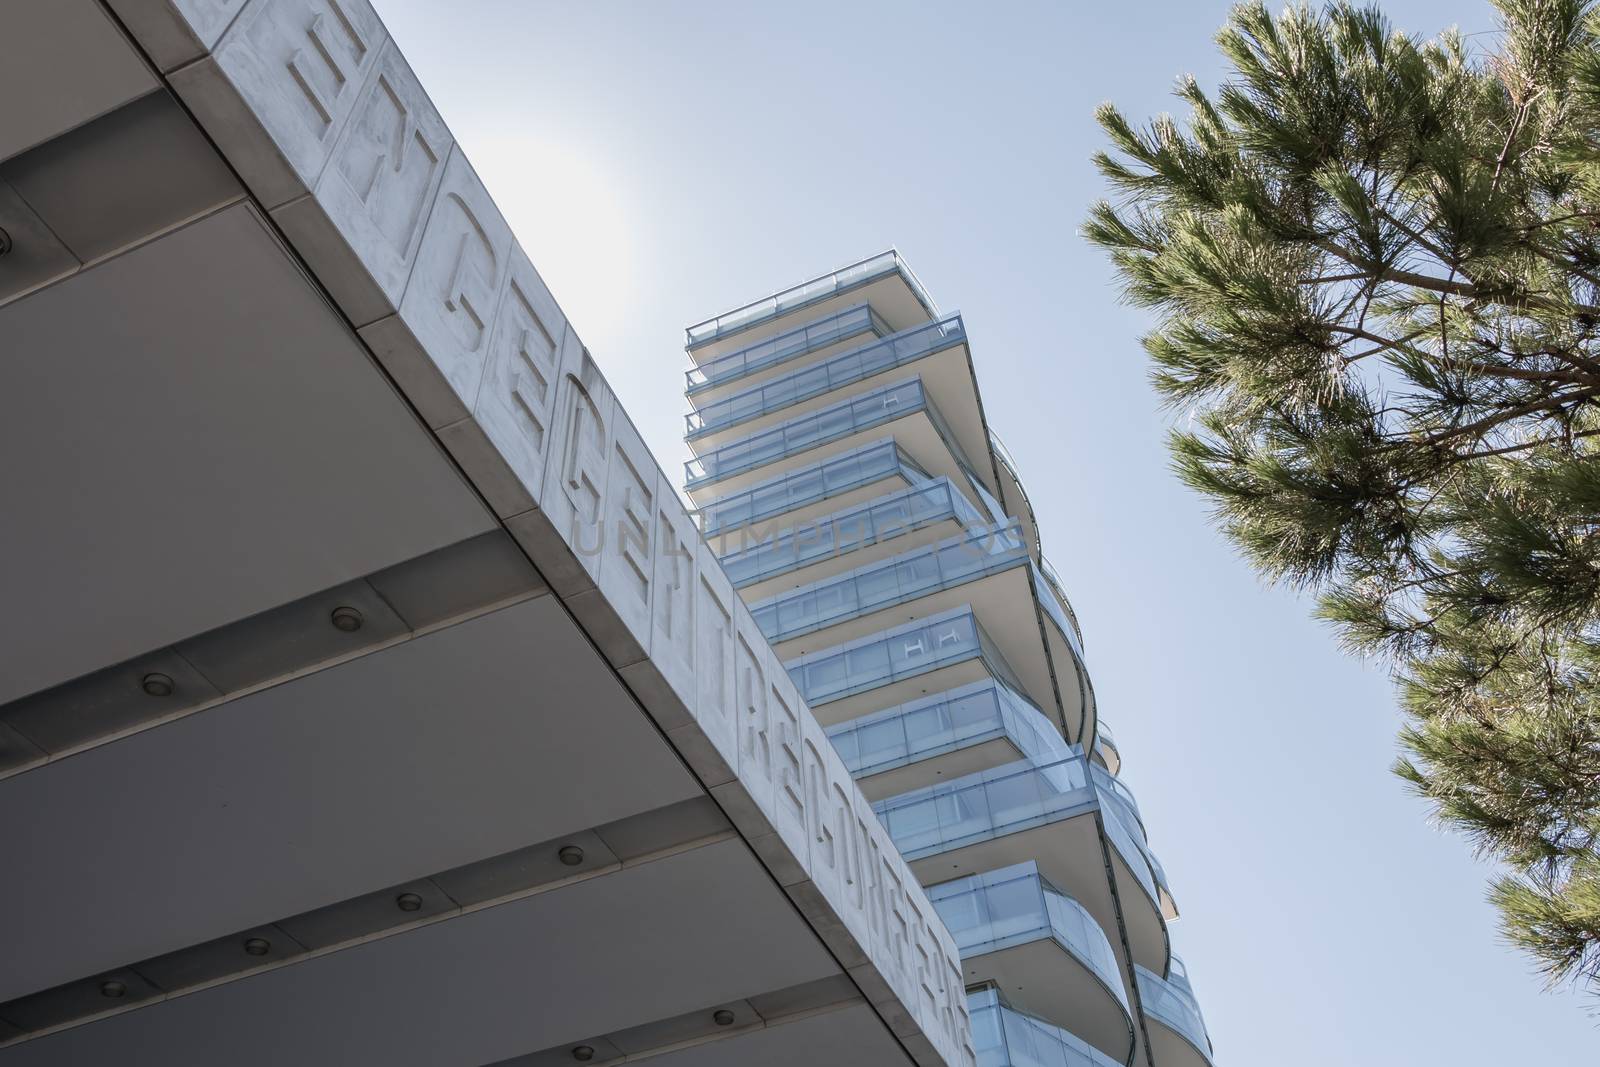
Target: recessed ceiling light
{"points": [[112, 989], [347, 619], [408, 902], [722, 1017], [157, 685], [583, 1053], [257, 946], [570, 855]]}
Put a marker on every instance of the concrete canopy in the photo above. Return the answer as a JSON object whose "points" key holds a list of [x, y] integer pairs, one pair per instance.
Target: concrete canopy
{"points": [[367, 694]]}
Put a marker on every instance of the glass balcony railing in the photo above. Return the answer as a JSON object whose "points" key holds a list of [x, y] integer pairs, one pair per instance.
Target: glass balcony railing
{"points": [[1106, 735], [904, 652], [1003, 454], [1057, 611], [1062, 612], [944, 722], [1160, 883], [986, 805], [1178, 976], [996, 510], [830, 477], [962, 558], [1014, 905], [1009, 799], [791, 344], [849, 416], [1121, 809], [1132, 845], [823, 377], [1074, 631], [1005, 1037], [879, 519], [1124, 797], [798, 296], [1105, 740], [1172, 1002]]}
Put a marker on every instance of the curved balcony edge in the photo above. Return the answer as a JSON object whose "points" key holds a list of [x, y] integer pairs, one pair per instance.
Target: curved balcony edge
{"points": [[1171, 1003], [834, 283], [1001, 920], [997, 1026]]}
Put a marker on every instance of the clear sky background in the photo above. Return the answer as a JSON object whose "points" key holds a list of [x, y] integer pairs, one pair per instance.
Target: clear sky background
{"points": [[662, 162]]}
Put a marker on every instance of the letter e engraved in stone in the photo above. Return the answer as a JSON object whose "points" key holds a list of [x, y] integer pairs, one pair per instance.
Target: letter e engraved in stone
{"points": [[317, 70], [633, 525], [898, 933], [530, 383], [389, 165], [789, 792]]}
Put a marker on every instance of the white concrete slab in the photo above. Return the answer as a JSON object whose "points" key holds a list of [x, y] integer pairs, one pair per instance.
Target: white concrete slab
{"points": [[645, 943], [466, 743], [196, 438]]}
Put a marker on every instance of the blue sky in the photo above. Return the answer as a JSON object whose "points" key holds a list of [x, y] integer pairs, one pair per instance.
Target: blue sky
{"points": [[662, 162]]}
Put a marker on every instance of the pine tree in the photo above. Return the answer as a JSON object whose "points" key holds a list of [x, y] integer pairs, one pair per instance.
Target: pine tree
{"points": [[1374, 263]]}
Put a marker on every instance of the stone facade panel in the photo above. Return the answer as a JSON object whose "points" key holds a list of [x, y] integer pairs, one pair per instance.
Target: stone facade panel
{"points": [[362, 227], [293, 70]]}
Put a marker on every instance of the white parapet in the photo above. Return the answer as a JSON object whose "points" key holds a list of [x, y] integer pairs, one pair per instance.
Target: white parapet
{"points": [[318, 112]]}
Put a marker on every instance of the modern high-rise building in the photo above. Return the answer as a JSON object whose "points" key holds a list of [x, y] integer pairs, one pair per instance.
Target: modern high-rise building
{"points": [[847, 478], [368, 694]]}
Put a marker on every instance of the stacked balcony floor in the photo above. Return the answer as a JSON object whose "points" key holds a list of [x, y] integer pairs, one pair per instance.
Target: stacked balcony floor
{"points": [[880, 534]]}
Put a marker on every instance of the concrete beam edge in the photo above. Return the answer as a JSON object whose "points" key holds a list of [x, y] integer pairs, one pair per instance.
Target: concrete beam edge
{"points": [[483, 353]]}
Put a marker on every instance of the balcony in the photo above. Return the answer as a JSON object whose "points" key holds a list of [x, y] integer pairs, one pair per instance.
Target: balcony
{"points": [[1058, 612], [820, 377], [883, 280], [1179, 1039], [936, 352], [819, 337], [1059, 813], [1114, 790], [1120, 799], [989, 570], [1013, 495], [947, 735], [1060, 588], [903, 409], [1043, 949], [1169, 906], [1056, 603], [1005, 1037], [862, 534], [805, 494], [1105, 751], [931, 655]]}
